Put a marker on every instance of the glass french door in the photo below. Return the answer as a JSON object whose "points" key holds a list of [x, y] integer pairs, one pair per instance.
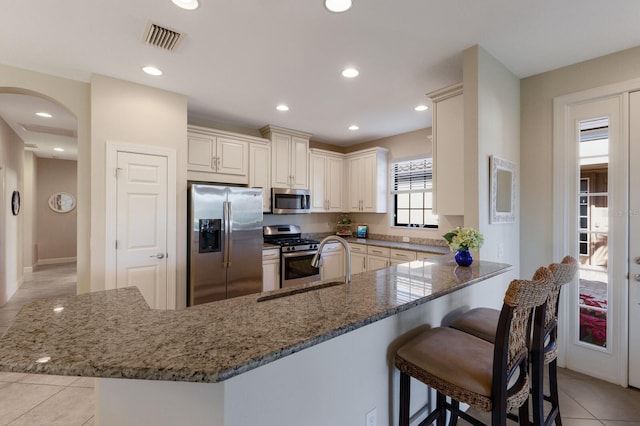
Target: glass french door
{"points": [[596, 191]]}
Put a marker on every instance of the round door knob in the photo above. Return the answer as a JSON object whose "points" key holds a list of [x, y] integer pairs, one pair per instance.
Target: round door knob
{"points": [[636, 277], [637, 260]]}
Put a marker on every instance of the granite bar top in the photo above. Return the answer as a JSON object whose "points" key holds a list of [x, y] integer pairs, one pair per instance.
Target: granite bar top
{"points": [[115, 334]]}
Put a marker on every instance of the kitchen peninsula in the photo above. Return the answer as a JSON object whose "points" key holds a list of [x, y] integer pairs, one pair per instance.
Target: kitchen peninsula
{"points": [[323, 355]]}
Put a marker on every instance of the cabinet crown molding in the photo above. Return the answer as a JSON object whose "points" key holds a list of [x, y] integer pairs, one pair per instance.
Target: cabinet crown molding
{"points": [[267, 130], [215, 132], [445, 93], [367, 151], [326, 152]]}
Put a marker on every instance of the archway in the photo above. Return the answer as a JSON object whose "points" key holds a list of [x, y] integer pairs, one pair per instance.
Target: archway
{"points": [[35, 235]]}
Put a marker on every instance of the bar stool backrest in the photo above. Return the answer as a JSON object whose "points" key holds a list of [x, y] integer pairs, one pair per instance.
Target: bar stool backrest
{"points": [[563, 273], [511, 347]]}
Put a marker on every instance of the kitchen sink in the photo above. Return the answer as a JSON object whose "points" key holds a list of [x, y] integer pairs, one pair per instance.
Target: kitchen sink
{"points": [[297, 290]]}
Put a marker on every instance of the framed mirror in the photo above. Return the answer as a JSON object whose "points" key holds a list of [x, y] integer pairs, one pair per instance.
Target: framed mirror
{"points": [[62, 202], [503, 190]]}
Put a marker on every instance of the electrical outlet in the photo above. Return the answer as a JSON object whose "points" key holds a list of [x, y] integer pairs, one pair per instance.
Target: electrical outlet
{"points": [[371, 418], [405, 239]]}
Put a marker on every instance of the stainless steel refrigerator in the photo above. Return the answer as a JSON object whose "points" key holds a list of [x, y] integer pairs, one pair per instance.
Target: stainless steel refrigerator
{"points": [[225, 242]]}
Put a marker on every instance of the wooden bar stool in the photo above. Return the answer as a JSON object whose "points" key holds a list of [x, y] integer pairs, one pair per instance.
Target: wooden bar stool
{"points": [[483, 322], [467, 369]]}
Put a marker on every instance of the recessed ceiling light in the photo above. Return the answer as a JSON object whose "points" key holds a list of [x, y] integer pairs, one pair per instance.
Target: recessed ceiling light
{"points": [[421, 108], [186, 4], [58, 309], [354, 127], [44, 114], [350, 72], [59, 149], [43, 360], [337, 5], [152, 70], [282, 107]]}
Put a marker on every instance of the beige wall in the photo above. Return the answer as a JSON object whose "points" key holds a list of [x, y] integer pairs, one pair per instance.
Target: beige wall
{"points": [[11, 159], [537, 93], [491, 127], [55, 232], [74, 96], [29, 221], [131, 113]]}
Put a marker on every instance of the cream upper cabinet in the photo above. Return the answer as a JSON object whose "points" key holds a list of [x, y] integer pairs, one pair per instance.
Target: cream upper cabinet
{"points": [[326, 171], [448, 150], [289, 157], [218, 156], [260, 171], [367, 173]]}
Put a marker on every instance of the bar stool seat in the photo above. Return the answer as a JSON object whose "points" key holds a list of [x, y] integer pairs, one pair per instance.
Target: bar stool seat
{"points": [[424, 360], [467, 369]]}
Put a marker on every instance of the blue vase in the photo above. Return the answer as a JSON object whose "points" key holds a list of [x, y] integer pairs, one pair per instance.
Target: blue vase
{"points": [[464, 258]]}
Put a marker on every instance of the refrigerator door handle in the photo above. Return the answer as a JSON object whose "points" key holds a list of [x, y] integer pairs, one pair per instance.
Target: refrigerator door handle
{"points": [[227, 230]]}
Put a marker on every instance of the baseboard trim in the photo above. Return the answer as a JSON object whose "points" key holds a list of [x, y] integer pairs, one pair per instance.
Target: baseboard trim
{"points": [[56, 261], [28, 269]]}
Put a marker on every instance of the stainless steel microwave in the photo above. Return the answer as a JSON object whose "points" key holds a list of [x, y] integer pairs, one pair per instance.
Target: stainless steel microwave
{"points": [[290, 201]]}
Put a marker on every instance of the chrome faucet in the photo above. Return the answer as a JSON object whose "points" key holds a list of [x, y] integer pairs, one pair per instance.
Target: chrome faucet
{"points": [[315, 262]]}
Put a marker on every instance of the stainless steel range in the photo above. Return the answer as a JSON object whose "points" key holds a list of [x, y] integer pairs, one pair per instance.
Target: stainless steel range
{"points": [[295, 254]]}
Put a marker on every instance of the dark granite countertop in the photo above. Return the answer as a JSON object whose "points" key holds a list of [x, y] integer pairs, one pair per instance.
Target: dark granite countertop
{"points": [[115, 334]]}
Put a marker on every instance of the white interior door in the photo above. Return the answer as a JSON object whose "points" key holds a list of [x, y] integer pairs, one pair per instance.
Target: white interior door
{"points": [[634, 240], [141, 225]]}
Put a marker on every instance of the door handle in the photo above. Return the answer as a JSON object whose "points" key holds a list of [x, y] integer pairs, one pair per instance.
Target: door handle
{"points": [[158, 256], [637, 260], [636, 277]]}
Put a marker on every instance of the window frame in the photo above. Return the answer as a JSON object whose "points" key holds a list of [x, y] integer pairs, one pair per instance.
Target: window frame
{"points": [[427, 184]]}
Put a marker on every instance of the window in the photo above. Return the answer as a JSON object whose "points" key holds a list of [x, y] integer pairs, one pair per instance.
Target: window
{"points": [[412, 190]]}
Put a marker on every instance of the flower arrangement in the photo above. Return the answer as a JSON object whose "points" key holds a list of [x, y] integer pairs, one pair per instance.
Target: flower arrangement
{"points": [[464, 239]]}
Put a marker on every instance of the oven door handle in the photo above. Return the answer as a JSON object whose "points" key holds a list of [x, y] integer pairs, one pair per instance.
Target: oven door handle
{"points": [[299, 253]]}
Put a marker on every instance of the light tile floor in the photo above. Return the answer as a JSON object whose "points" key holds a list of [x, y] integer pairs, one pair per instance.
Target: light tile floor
{"points": [[31, 399], [28, 399]]}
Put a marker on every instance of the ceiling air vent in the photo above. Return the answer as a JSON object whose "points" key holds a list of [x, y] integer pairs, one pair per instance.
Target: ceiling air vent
{"points": [[162, 37]]}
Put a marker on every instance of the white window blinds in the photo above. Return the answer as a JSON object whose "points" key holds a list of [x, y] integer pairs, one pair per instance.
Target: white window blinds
{"points": [[412, 176]]}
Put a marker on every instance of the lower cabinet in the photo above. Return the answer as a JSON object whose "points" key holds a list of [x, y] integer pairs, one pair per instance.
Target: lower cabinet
{"points": [[270, 269], [358, 258], [397, 256], [370, 258], [332, 266], [376, 262], [377, 258]]}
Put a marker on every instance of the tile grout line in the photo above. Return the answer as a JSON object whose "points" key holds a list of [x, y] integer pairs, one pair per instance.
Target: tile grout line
{"points": [[37, 405]]}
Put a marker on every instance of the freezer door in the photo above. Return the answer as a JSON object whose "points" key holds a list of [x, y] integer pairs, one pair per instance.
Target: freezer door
{"points": [[244, 275], [206, 274]]}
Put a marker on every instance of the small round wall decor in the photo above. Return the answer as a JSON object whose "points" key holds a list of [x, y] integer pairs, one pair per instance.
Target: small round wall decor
{"points": [[15, 203]]}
